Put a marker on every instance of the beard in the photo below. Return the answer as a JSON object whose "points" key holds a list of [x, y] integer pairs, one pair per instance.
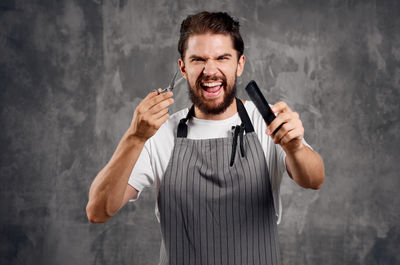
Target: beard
{"points": [[208, 106]]}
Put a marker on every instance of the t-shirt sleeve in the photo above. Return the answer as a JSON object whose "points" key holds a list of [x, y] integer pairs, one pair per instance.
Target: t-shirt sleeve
{"points": [[142, 175]]}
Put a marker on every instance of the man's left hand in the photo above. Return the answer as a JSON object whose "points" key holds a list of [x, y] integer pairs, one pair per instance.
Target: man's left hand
{"points": [[290, 135]]}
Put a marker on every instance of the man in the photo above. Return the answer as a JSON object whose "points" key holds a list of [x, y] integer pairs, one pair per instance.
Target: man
{"points": [[216, 167]]}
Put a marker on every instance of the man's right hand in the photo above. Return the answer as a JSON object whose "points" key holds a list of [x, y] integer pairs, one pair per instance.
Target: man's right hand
{"points": [[109, 190], [150, 114]]}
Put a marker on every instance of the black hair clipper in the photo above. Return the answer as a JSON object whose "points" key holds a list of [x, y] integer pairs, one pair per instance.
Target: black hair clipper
{"points": [[261, 103]]}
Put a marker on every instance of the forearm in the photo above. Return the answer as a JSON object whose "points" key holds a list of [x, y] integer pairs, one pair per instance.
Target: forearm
{"points": [[306, 168], [108, 188]]}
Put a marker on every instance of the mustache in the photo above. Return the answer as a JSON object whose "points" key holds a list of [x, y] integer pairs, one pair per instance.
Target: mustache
{"points": [[204, 78]]}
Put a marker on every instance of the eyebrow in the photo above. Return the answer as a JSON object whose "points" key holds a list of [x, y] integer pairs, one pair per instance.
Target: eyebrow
{"points": [[195, 57], [199, 57], [225, 55]]}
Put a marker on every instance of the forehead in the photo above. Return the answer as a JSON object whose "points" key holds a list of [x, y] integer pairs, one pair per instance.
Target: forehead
{"points": [[209, 45]]}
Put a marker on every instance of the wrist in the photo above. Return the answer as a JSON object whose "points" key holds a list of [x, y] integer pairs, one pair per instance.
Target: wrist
{"points": [[294, 150], [133, 138]]}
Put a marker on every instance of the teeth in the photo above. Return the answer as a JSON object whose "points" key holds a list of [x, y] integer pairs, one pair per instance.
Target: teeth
{"points": [[211, 84]]}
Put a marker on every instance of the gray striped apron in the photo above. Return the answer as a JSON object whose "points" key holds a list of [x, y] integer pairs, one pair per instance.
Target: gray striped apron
{"points": [[215, 200]]}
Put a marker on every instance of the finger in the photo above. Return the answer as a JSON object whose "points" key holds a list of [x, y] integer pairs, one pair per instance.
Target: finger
{"points": [[286, 127], [151, 95], [291, 135], [142, 107], [159, 98], [161, 120], [161, 105], [281, 106], [281, 118], [159, 114], [150, 102], [148, 97]]}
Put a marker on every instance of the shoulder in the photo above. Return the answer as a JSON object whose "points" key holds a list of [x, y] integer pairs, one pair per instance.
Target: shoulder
{"points": [[255, 117], [250, 107], [259, 128]]}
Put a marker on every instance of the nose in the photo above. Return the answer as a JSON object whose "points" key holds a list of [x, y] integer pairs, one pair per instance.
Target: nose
{"points": [[210, 68]]}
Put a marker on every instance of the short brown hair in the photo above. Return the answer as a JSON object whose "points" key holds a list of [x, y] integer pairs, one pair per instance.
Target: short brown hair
{"points": [[206, 22]]}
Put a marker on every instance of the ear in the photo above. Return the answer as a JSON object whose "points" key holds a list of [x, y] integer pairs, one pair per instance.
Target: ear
{"points": [[240, 66], [182, 67]]}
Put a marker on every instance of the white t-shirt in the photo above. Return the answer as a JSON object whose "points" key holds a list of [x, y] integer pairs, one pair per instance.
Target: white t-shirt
{"points": [[153, 160]]}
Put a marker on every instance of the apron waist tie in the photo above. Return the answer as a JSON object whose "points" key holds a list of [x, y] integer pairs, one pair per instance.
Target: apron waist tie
{"points": [[238, 131]]}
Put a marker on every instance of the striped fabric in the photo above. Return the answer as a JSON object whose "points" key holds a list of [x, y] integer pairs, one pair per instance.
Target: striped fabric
{"points": [[212, 213]]}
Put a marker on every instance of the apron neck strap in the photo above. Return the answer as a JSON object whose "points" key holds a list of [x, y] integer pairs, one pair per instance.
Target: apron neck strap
{"points": [[248, 126], [182, 126]]}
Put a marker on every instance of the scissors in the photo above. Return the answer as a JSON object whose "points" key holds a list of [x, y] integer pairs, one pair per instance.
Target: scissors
{"points": [[171, 84]]}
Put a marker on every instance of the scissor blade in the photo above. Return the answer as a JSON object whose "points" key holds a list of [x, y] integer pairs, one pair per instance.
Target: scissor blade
{"points": [[179, 80], [172, 84]]}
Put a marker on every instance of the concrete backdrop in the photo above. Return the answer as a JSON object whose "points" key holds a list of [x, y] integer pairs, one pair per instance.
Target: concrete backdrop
{"points": [[72, 73]]}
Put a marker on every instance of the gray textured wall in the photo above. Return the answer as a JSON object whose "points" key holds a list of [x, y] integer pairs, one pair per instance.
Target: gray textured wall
{"points": [[72, 73]]}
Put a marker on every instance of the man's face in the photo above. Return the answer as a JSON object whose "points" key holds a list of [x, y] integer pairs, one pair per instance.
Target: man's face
{"points": [[211, 66]]}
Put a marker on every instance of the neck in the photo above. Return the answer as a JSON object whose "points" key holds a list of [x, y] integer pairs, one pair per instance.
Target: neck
{"points": [[229, 112]]}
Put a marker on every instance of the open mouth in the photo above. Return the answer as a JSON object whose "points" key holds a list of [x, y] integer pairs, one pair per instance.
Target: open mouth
{"points": [[212, 89]]}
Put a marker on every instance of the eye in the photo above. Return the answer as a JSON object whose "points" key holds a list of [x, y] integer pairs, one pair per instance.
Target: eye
{"points": [[223, 58], [197, 59]]}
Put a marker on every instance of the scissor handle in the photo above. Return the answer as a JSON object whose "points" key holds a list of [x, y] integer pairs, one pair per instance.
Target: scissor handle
{"points": [[163, 90]]}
